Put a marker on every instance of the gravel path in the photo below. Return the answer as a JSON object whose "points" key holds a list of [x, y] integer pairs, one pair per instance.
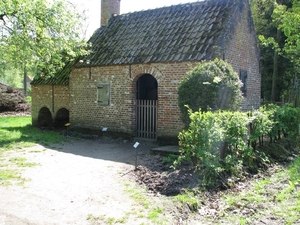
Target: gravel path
{"points": [[74, 181]]}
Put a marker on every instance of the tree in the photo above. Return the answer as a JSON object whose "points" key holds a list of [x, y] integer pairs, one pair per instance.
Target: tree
{"points": [[289, 22], [276, 69], [40, 34]]}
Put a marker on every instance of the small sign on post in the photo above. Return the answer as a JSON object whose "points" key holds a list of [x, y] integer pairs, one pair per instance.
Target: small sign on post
{"points": [[135, 146]]}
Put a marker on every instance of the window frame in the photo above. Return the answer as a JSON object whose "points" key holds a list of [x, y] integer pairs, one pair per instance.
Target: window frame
{"points": [[103, 94]]}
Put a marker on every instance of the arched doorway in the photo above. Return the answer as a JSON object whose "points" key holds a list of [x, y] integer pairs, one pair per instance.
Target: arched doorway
{"points": [[146, 107], [62, 117], [44, 118]]}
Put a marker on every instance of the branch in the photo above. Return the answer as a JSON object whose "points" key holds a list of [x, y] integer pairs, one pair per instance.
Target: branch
{"points": [[2, 18], [6, 15]]}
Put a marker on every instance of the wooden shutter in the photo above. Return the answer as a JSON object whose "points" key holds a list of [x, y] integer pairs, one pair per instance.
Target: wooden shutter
{"points": [[103, 94]]}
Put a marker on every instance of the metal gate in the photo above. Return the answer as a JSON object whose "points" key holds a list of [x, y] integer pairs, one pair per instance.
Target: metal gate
{"points": [[146, 118]]}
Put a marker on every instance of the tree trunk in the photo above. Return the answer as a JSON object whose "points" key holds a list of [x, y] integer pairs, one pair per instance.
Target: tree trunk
{"points": [[275, 71], [25, 81]]}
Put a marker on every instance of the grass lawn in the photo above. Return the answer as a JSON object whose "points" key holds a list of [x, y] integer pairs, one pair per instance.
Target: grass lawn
{"points": [[17, 133]]}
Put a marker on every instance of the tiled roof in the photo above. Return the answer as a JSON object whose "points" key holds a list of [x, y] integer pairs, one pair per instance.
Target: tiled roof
{"points": [[61, 78], [182, 32]]}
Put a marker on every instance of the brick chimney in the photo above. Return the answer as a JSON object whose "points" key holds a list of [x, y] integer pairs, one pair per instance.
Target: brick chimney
{"points": [[109, 8]]}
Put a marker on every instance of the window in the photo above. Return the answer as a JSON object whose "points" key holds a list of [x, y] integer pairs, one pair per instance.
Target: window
{"points": [[103, 94], [243, 78]]}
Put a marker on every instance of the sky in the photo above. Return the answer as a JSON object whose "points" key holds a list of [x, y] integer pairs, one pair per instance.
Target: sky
{"points": [[93, 9]]}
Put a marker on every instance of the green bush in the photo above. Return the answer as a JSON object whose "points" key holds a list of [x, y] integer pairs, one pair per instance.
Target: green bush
{"points": [[260, 124], [210, 86], [200, 144], [170, 159], [285, 119], [225, 141]]}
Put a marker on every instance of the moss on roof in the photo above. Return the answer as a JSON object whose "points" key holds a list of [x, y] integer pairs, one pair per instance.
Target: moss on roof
{"points": [[61, 78], [184, 32]]}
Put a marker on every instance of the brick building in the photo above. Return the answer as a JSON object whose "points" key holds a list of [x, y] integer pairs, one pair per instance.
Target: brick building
{"points": [[129, 81]]}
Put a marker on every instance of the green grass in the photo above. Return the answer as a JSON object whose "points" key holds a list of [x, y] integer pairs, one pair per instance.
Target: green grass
{"points": [[22, 162], [278, 195], [7, 176], [139, 197], [154, 214], [188, 199], [17, 133]]}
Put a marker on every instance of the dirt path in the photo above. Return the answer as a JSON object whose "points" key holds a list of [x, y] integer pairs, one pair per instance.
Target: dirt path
{"points": [[74, 183]]}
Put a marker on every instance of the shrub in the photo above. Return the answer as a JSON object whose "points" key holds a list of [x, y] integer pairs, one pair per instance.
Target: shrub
{"points": [[210, 85], [224, 141], [286, 120], [200, 144]]}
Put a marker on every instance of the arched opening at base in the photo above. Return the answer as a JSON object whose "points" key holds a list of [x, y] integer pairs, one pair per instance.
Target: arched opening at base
{"points": [[44, 118], [62, 117]]}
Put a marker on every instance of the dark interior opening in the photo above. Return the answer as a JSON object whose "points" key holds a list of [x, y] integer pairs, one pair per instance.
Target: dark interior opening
{"points": [[62, 117], [45, 117], [147, 88]]}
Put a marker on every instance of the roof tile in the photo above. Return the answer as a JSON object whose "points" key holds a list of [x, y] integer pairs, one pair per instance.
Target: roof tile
{"points": [[175, 33]]}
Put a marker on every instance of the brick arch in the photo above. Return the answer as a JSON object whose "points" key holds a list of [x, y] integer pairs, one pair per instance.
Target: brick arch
{"points": [[141, 131], [44, 117], [140, 70]]}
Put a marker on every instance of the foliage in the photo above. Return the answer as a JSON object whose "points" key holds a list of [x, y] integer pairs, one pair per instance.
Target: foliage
{"points": [[286, 120], [260, 124], [11, 77], [289, 20], [224, 141], [40, 34], [170, 158], [209, 85], [277, 70], [200, 144]]}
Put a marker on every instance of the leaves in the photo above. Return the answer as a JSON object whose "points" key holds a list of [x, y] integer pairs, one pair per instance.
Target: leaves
{"points": [[210, 85], [288, 20], [224, 141], [40, 34]]}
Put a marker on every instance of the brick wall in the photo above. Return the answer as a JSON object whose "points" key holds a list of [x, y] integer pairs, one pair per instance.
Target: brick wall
{"points": [[120, 114], [238, 45], [52, 97], [240, 48]]}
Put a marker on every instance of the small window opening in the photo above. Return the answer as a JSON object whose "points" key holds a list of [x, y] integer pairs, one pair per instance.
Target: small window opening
{"points": [[103, 94], [243, 78]]}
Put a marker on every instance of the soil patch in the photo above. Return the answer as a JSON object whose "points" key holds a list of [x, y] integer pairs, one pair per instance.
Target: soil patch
{"points": [[159, 178]]}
